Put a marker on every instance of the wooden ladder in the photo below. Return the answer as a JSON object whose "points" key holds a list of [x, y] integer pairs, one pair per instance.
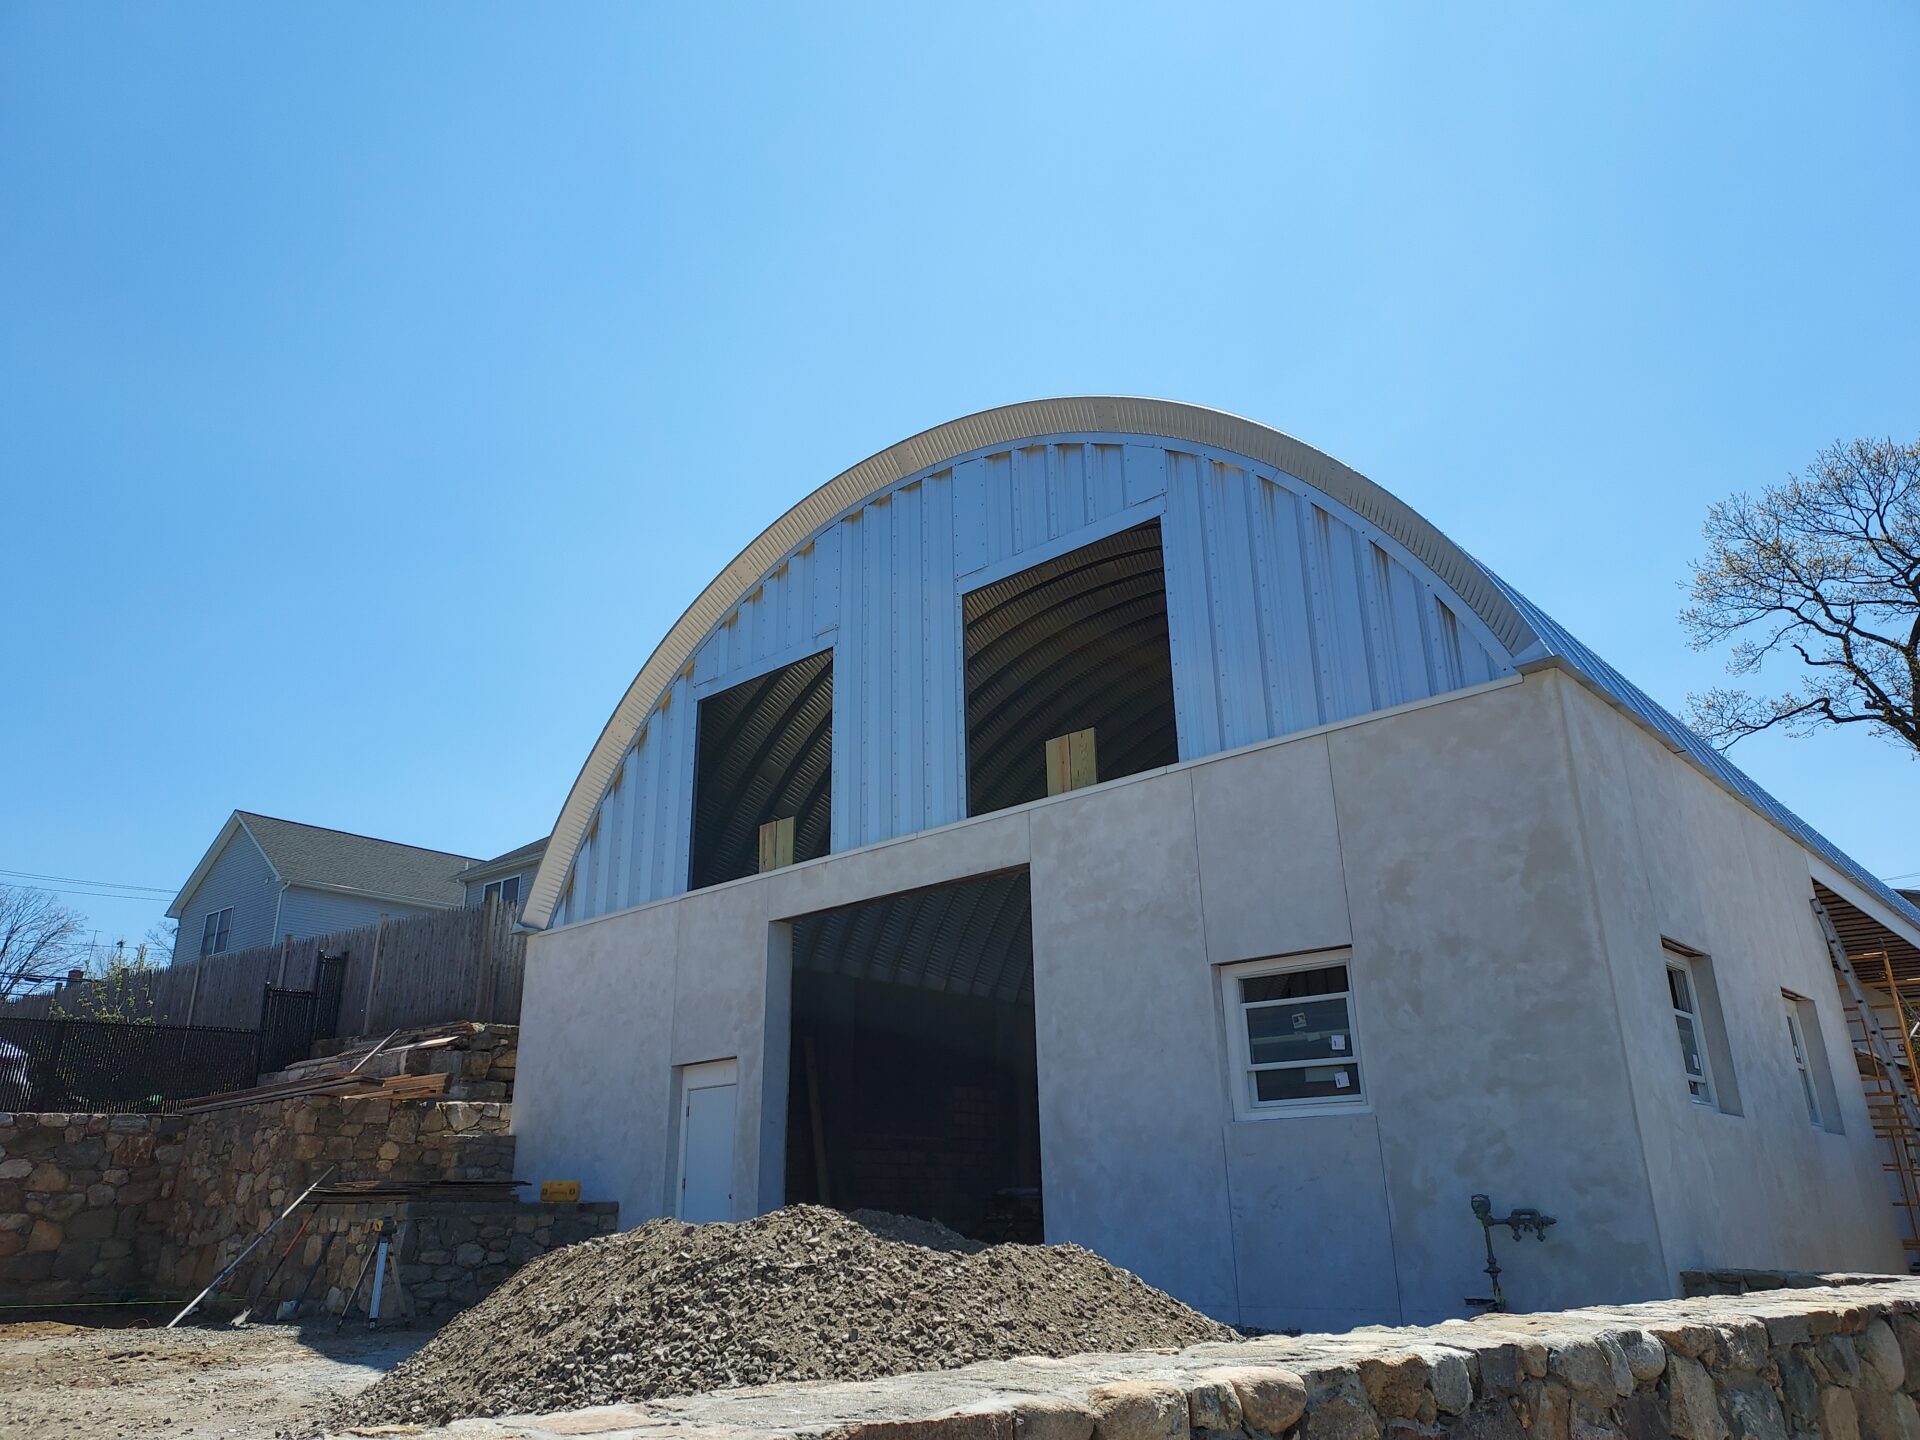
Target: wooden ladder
{"points": [[1891, 1105]]}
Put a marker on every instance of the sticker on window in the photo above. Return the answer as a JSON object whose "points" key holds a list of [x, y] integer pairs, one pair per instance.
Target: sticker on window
{"points": [[1339, 1079], [1299, 1019], [1339, 1042]]}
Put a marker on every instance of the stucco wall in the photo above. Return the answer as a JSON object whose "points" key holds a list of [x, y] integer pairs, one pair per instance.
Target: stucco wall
{"points": [[1673, 855], [1487, 906]]}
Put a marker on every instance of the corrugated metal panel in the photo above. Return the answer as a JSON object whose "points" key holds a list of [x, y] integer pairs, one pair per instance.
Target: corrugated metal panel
{"points": [[1286, 610], [1132, 423]]}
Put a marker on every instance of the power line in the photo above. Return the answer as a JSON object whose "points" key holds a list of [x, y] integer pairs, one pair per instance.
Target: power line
{"points": [[100, 895], [166, 890]]}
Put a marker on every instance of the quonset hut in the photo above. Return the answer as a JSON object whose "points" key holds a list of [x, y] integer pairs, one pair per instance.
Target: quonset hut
{"points": [[1115, 820]]}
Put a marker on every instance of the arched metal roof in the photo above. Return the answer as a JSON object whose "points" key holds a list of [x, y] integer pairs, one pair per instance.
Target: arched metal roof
{"points": [[1092, 415]]}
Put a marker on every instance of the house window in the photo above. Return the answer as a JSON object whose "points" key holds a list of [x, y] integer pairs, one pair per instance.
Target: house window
{"points": [[1796, 1037], [506, 891], [213, 939], [1291, 1034], [1686, 1018]]}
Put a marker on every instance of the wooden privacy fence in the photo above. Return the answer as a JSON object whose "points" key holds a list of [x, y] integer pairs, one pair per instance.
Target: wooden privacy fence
{"points": [[419, 970]]}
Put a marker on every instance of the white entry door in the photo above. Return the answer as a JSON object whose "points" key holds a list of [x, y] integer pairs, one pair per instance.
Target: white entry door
{"points": [[706, 1141]]}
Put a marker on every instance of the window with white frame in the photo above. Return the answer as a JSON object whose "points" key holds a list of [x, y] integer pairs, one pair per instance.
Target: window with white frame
{"points": [[213, 939], [506, 891], [1684, 992], [1291, 1034], [1802, 1063]]}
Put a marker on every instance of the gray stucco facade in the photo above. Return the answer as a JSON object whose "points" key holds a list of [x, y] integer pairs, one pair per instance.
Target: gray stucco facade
{"points": [[1500, 867]]}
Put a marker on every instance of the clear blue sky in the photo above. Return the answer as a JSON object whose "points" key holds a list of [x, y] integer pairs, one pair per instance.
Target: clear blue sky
{"points": [[378, 383]]}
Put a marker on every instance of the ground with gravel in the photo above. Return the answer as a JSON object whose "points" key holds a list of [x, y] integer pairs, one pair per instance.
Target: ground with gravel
{"points": [[140, 1382], [802, 1294]]}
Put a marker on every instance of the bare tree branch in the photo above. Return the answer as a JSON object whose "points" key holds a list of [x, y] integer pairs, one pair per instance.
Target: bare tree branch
{"points": [[1825, 569], [38, 937]]}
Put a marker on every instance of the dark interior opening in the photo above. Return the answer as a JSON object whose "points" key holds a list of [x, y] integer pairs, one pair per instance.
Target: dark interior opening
{"points": [[912, 1085], [1075, 643], [764, 752]]}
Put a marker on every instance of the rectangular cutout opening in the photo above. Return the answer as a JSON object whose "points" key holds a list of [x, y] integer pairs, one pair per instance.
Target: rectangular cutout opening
{"points": [[1075, 644], [764, 758], [912, 1080]]}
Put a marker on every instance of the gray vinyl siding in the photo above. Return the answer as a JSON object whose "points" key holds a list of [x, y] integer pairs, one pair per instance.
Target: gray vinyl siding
{"points": [[240, 877], [321, 912], [477, 889]]}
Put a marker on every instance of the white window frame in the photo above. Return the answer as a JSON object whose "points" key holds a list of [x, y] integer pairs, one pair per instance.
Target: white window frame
{"points": [[1803, 1063], [216, 932], [1699, 1089], [498, 887], [1245, 1106]]}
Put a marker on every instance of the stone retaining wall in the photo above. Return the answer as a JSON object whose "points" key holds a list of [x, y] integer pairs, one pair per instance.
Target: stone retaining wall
{"points": [[1842, 1363], [451, 1253], [479, 1065], [99, 1207], [242, 1166], [83, 1203]]}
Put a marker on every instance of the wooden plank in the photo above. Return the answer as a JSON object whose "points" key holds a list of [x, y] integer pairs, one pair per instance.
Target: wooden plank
{"points": [[776, 844], [1083, 766], [1059, 766], [1072, 762]]}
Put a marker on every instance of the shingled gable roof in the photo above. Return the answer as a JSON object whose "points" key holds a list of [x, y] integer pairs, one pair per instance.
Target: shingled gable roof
{"points": [[314, 856]]}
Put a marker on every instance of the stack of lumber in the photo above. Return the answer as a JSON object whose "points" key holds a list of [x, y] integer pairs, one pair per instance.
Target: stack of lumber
{"points": [[364, 1191], [394, 1087]]}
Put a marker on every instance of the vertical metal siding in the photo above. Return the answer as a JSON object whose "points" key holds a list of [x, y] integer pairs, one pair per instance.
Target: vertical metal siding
{"points": [[1285, 611]]}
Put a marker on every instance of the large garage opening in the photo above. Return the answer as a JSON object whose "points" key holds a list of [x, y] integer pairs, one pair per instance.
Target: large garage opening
{"points": [[911, 1087], [763, 773], [1069, 673]]}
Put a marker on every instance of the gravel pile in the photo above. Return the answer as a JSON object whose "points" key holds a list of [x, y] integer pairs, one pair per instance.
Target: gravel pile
{"points": [[802, 1294]]}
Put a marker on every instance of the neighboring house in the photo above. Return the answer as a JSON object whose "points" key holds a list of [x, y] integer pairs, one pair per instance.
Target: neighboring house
{"points": [[264, 878], [507, 877], [1114, 818]]}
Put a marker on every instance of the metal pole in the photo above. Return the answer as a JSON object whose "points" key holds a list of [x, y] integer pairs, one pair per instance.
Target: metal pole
{"points": [[346, 1307], [379, 1284], [252, 1245]]}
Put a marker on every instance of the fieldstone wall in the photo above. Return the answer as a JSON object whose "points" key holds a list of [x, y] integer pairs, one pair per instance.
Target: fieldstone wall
{"points": [[99, 1207], [1840, 1362], [479, 1065], [83, 1203], [450, 1253], [243, 1166]]}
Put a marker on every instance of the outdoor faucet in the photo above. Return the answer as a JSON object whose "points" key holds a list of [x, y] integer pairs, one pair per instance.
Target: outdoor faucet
{"points": [[1518, 1221]]}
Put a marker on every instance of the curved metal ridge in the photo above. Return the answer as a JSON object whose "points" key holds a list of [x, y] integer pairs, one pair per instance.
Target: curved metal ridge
{"points": [[1008, 424]]}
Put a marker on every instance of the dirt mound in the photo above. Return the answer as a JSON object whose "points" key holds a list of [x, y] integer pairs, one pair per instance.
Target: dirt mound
{"points": [[801, 1294]]}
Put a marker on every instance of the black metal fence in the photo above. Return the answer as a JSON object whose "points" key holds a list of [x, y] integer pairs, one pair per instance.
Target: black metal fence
{"points": [[291, 1020], [106, 1066]]}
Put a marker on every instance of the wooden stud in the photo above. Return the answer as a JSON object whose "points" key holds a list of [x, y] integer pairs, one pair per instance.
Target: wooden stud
{"points": [[1082, 764], [776, 844], [1072, 762]]}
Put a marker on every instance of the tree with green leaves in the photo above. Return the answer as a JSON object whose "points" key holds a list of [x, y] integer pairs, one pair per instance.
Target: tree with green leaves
{"points": [[117, 986], [1821, 574]]}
